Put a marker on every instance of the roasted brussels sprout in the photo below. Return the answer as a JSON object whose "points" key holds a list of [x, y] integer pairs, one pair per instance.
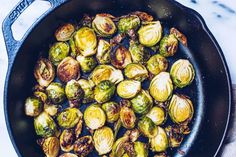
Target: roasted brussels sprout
{"points": [[157, 115], [33, 106], [120, 57], [128, 88], [69, 117], [78, 129], [68, 155], [136, 149], [51, 109], [147, 127], [58, 52], [67, 140], [44, 125], [161, 87], [41, 95], [103, 52], [127, 116], [175, 135], [159, 143], [68, 69], [104, 91], [50, 146], [55, 92], [118, 147], [106, 72], [150, 33], [157, 64], [103, 140], [182, 73], [103, 25], [180, 36], [136, 71], [87, 86], [86, 41], [143, 16], [73, 90], [112, 110], [87, 64], [64, 32], [168, 46], [83, 146], [142, 103], [94, 117], [128, 22], [138, 53], [180, 109], [44, 72]]}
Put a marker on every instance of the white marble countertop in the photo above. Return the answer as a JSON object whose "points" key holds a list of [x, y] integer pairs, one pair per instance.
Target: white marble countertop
{"points": [[220, 17]]}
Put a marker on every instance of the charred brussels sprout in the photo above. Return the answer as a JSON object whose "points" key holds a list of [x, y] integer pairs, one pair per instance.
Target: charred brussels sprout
{"points": [[104, 91], [103, 140], [68, 69], [68, 155], [94, 117], [56, 92], [157, 64], [136, 149], [159, 143], [180, 109], [44, 125], [161, 87], [87, 64], [112, 110], [136, 71], [87, 86], [50, 146], [175, 135], [143, 16], [168, 46], [150, 33], [41, 95], [64, 32], [138, 53], [44, 72], [83, 146], [182, 73], [128, 88], [106, 72], [33, 106], [128, 22], [118, 147], [147, 127], [127, 116], [74, 91], [69, 117], [120, 57], [67, 140], [58, 52], [103, 52], [103, 25], [157, 115]]}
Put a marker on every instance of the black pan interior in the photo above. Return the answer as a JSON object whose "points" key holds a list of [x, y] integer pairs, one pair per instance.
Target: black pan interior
{"points": [[210, 91]]}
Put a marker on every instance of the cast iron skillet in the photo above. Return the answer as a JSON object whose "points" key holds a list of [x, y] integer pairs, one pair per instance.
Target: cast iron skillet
{"points": [[211, 90]]}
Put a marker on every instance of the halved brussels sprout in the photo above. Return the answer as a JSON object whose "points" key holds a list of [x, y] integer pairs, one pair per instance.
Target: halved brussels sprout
{"points": [[136, 149], [69, 117], [142, 102], [103, 25], [41, 95], [55, 92], [161, 87], [44, 125], [180, 109], [50, 146], [136, 71], [128, 22], [68, 155], [138, 53], [33, 106], [87, 64], [67, 140], [51, 109], [64, 32], [104, 91], [103, 52], [157, 64], [159, 143], [94, 117], [83, 146], [150, 33], [175, 135], [128, 88], [103, 140], [120, 57], [87, 86], [147, 127], [78, 129], [74, 92], [86, 41], [118, 147], [168, 46], [44, 72], [157, 115], [132, 134], [68, 69], [112, 110], [58, 52], [182, 73], [106, 72], [127, 116]]}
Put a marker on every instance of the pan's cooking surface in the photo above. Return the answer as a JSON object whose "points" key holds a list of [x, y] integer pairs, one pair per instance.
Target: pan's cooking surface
{"points": [[210, 90]]}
